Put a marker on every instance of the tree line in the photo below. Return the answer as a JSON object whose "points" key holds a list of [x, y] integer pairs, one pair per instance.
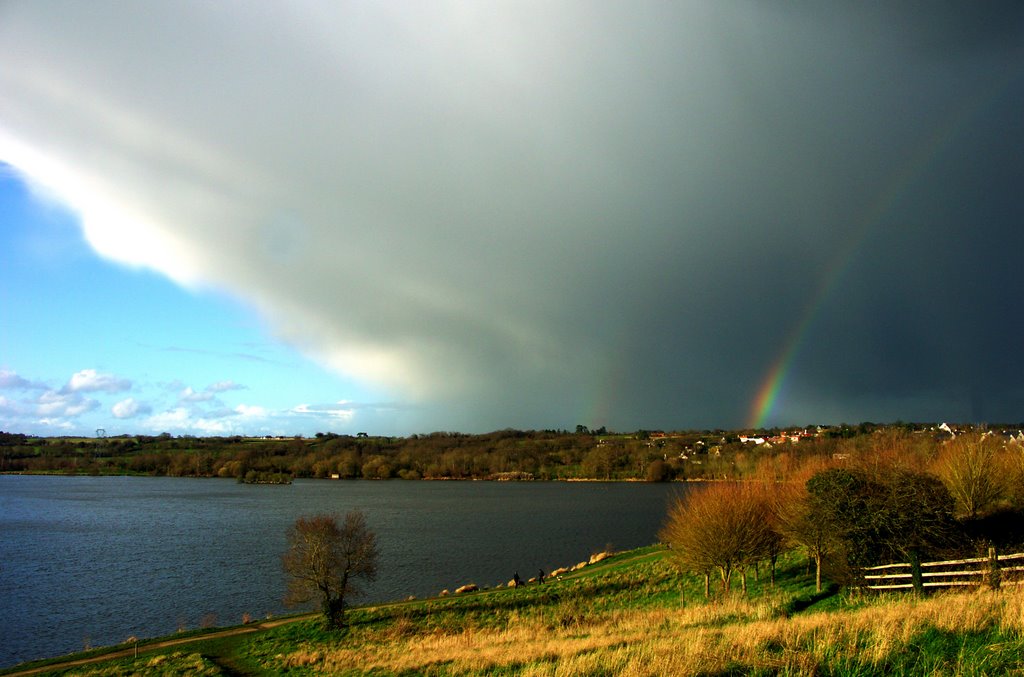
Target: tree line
{"points": [[543, 455], [515, 454]]}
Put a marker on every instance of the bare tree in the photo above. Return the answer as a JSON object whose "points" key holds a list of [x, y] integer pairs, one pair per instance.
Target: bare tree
{"points": [[771, 541], [797, 521], [325, 559], [721, 527], [1013, 457], [969, 466], [792, 513]]}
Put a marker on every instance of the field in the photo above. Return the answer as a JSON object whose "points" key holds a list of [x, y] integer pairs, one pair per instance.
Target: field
{"points": [[632, 614]]}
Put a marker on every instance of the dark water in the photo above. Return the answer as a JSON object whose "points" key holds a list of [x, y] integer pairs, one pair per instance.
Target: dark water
{"points": [[98, 559]]}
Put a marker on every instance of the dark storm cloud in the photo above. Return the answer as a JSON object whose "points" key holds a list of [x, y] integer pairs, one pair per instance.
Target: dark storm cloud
{"points": [[542, 214], [944, 27]]}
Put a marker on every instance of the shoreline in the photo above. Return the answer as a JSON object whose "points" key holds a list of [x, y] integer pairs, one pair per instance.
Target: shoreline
{"points": [[567, 480]]}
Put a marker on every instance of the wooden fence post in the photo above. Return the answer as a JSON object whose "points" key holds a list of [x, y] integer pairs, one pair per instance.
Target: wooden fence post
{"points": [[993, 569], [915, 571]]}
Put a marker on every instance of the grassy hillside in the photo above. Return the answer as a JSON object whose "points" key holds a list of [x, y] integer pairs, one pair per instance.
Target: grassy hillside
{"points": [[632, 614]]}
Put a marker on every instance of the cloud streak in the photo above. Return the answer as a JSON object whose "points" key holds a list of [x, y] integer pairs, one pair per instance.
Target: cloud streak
{"points": [[540, 214]]}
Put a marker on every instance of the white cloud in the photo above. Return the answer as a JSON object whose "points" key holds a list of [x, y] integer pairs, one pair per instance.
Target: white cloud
{"points": [[10, 407], [129, 408], [212, 427], [53, 404], [251, 411], [59, 423], [190, 395], [90, 380], [343, 411], [215, 413], [218, 422], [171, 417]]}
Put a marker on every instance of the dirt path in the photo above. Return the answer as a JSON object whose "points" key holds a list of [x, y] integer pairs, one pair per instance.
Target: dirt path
{"points": [[148, 647]]}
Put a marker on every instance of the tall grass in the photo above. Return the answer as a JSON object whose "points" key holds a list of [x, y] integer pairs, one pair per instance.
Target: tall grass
{"points": [[966, 634]]}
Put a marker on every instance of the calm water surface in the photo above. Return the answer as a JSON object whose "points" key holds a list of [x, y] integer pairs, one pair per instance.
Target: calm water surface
{"points": [[94, 560]]}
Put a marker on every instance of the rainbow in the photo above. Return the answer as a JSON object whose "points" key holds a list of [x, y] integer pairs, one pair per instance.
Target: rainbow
{"points": [[931, 147], [598, 409]]}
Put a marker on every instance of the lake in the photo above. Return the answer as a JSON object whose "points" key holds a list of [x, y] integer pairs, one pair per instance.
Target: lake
{"points": [[94, 560]]}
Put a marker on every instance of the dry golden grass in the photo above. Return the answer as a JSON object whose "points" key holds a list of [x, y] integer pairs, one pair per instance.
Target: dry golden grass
{"points": [[699, 639]]}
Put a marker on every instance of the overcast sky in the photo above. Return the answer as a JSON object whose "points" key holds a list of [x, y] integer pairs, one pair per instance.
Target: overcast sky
{"points": [[400, 217]]}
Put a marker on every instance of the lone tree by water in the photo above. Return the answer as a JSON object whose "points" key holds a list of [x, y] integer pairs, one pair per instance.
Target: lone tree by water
{"points": [[325, 559]]}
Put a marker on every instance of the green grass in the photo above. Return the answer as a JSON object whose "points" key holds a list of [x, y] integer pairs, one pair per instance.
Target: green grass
{"points": [[162, 664], [630, 611]]}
